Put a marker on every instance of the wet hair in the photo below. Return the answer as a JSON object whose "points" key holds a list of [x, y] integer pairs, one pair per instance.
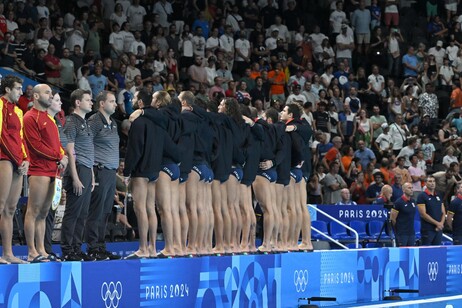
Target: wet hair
{"points": [[272, 114], [144, 96], [8, 82], [232, 109], [294, 109]]}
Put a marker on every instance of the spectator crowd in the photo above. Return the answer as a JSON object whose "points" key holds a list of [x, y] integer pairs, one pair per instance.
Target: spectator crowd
{"points": [[377, 81]]}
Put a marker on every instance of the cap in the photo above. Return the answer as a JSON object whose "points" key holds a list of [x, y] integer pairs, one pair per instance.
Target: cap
{"points": [[426, 115], [384, 125], [439, 44], [275, 29]]}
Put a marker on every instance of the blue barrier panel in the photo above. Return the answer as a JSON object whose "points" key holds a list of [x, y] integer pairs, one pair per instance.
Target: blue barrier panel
{"points": [[276, 280], [433, 271]]}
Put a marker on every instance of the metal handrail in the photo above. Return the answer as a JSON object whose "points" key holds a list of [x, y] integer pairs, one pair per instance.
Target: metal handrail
{"points": [[330, 238], [447, 237], [340, 223]]}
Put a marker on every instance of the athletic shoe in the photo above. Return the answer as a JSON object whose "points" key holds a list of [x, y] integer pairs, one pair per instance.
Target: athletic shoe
{"points": [[72, 256], [110, 255], [98, 255], [85, 257]]}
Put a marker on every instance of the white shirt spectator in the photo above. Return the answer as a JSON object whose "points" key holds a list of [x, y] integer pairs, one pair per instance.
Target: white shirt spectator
{"points": [[212, 42], [283, 32], [292, 98], [163, 10], [186, 47], [439, 55], [42, 11], [344, 39], [75, 38], [138, 48], [117, 39], [136, 14], [447, 73], [211, 74], [227, 43], [376, 81], [11, 25], [118, 19], [447, 160], [406, 152], [384, 141], [452, 51], [69, 19], [316, 41], [294, 79], [336, 18], [398, 135], [129, 38], [244, 47], [233, 20], [199, 45], [271, 43], [84, 84]]}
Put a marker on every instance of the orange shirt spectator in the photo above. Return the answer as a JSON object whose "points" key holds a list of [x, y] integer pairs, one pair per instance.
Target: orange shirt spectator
{"points": [[456, 97], [277, 79]]}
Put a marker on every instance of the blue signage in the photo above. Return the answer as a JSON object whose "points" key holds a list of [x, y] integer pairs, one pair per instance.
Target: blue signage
{"points": [[347, 213]]}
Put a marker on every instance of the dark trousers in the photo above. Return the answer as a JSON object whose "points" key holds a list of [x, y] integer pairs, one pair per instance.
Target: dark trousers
{"points": [[50, 223], [405, 240], [431, 237], [102, 201], [76, 212]]}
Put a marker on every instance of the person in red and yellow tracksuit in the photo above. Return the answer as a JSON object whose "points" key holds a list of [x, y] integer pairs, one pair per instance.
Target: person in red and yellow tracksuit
{"points": [[47, 159], [14, 161]]}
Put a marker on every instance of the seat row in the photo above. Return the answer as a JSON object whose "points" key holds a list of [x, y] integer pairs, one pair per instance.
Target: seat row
{"points": [[366, 230]]}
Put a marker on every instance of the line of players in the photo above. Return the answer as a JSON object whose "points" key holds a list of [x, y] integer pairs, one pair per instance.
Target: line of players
{"points": [[199, 163]]}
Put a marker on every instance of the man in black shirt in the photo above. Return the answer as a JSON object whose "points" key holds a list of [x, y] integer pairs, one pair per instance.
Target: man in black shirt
{"points": [[79, 180], [106, 143], [402, 217]]}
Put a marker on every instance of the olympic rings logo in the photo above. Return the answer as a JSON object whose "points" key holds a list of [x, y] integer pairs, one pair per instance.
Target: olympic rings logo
{"points": [[300, 280], [111, 294], [432, 270]]}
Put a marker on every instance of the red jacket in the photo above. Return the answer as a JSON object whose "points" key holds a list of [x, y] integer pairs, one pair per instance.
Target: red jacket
{"points": [[42, 139], [12, 146]]}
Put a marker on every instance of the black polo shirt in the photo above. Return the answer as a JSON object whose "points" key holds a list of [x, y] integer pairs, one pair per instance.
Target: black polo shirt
{"points": [[432, 203], [405, 220], [106, 141], [78, 132], [455, 208]]}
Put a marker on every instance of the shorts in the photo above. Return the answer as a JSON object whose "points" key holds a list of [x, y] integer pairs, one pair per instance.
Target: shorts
{"points": [[173, 170], [270, 174], [296, 174], [204, 172], [363, 38], [153, 178], [238, 173], [183, 178], [15, 167]]}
